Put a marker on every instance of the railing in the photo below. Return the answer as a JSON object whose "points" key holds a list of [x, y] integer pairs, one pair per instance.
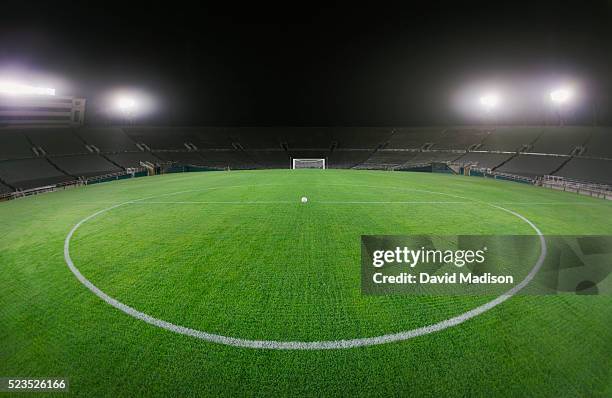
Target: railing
{"points": [[602, 191], [131, 173]]}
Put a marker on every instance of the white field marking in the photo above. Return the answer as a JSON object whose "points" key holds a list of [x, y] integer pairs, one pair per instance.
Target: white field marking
{"points": [[302, 345]]}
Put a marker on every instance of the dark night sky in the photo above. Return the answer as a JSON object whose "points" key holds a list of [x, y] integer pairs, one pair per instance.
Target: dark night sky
{"points": [[347, 65]]}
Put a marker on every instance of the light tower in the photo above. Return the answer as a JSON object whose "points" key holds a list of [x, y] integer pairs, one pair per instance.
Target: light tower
{"points": [[559, 97]]}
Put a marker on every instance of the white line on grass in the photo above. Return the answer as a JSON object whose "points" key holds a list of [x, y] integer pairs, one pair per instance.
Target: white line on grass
{"points": [[302, 345]]}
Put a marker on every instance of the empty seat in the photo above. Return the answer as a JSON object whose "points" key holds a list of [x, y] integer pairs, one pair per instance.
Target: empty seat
{"points": [[532, 165], [270, 159], [594, 170], [107, 139], [429, 157], [31, 173], [4, 189], [85, 165], [345, 159], [510, 139], [561, 140], [484, 160], [159, 137], [257, 137], [600, 143], [413, 138], [57, 141], [360, 137], [132, 159], [224, 159], [14, 145], [385, 158], [187, 158], [460, 138]]}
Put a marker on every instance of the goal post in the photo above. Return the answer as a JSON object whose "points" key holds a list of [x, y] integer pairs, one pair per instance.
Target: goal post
{"points": [[308, 164]]}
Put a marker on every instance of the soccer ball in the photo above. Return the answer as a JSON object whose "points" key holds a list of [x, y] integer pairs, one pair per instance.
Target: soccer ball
{"points": [[304, 199]]}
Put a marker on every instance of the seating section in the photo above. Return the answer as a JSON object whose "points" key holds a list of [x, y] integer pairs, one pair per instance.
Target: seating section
{"points": [[510, 139], [360, 137], [384, 159], [57, 142], [414, 138], [4, 189], [341, 159], [460, 139], [84, 165], [561, 140], [257, 137], [14, 145], [308, 138], [532, 165], [159, 137], [270, 159], [108, 139], [484, 159], [600, 143], [526, 150], [31, 173], [428, 157], [191, 158], [225, 159], [209, 137], [596, 170], [132, 159]]}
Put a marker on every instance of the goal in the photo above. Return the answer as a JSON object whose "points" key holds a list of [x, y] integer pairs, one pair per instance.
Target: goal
{"points": [[308, 164]]}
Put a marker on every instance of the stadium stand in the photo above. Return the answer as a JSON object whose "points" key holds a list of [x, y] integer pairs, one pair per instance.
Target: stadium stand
{"points": [[510, 139], [31, 157], [430, 156], [4, 189], [460, 139], [210, 137], [360, 137], [484, 159], [14, 145], [596, 170], [532, 165], [84, 165], [311, 138], [187, 158], [561, 140], [384, 159], [413, 138], [31, 173], [227, 159], [159, 137], [57, 141], [345, 159], [257, 137], [132, 159], [108, 139], [600, 143], [270, 159]]}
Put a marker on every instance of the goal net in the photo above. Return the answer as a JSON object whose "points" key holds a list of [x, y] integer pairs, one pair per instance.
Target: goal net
{"points": [[308, 164]]}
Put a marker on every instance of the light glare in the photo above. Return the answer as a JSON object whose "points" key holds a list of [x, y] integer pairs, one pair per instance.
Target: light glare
{"points": [[126, 103], [489, 101], [13, 88], [560, 95]]}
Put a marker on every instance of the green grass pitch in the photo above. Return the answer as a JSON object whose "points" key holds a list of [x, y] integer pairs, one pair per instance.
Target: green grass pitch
{"points": [[237, 254]]}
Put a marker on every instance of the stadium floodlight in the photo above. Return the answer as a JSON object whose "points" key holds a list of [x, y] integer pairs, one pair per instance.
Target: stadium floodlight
{"points": [[126, 104], [489, 101], [308, 164], [14, 88], [561, 95]]}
